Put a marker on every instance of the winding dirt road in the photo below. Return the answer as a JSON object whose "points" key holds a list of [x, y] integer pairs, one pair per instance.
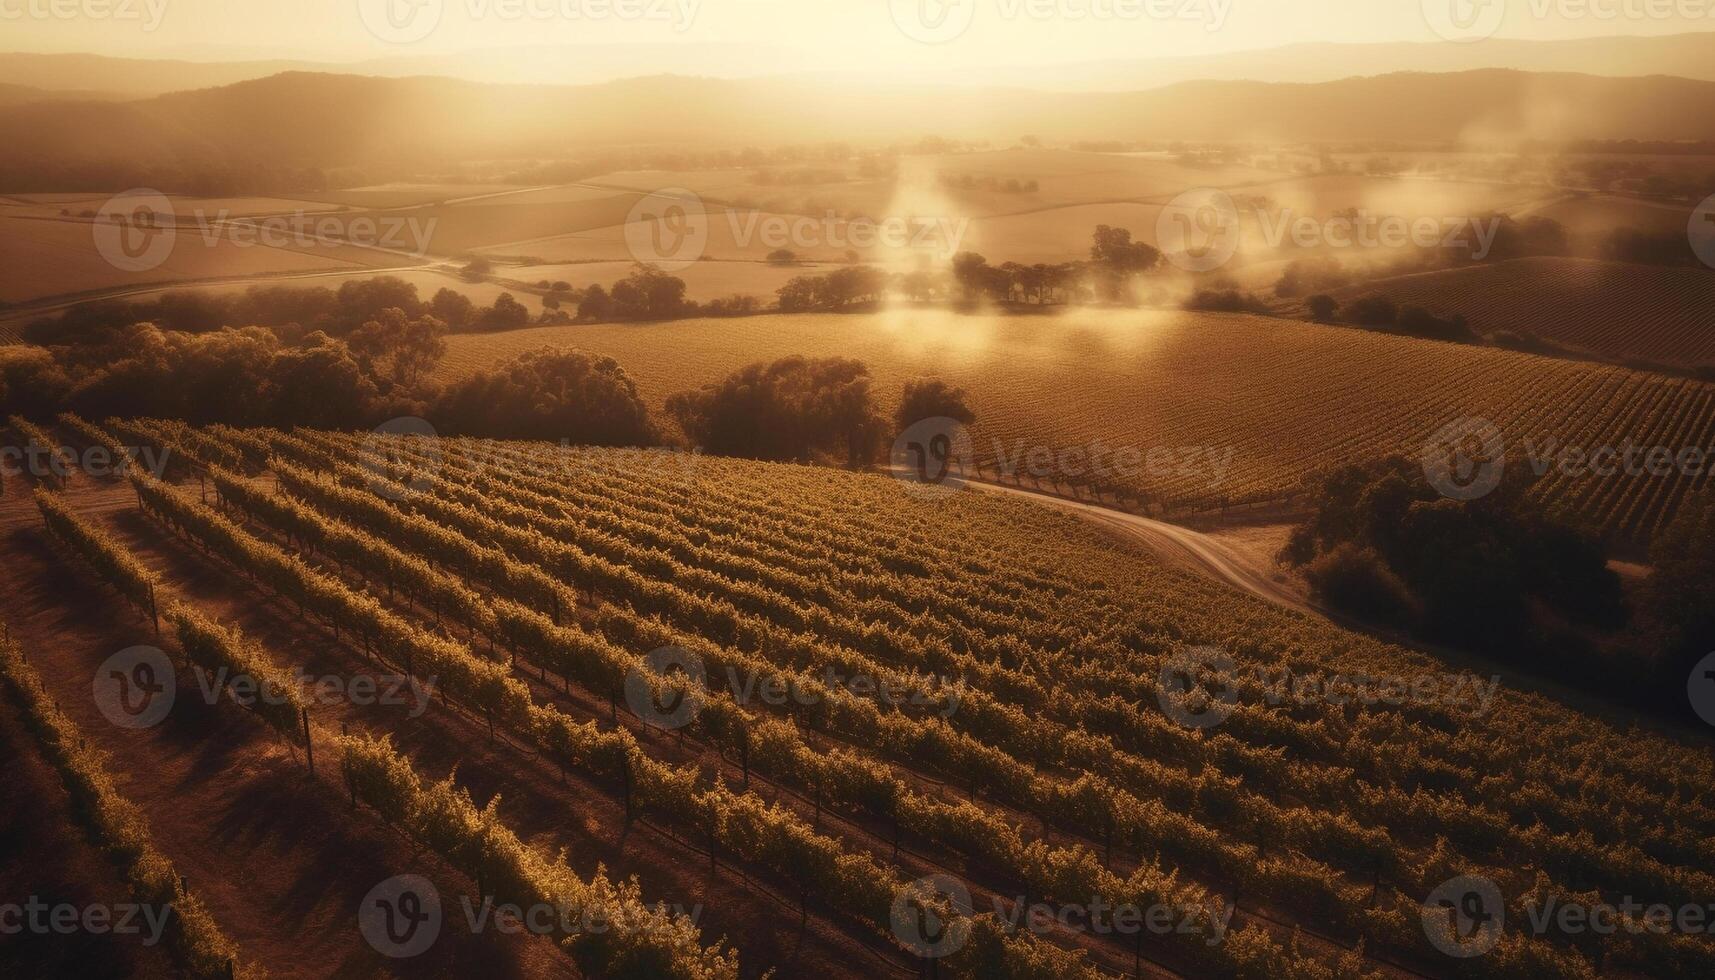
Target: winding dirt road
{"points": [[1180, 545]]}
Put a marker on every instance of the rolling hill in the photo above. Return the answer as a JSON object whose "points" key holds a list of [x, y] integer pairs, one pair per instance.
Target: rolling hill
{"points": [[1615, 310], [1244, 406], [306, 120]]}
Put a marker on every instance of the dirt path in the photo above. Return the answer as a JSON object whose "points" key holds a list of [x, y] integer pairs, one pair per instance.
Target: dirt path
{"points": [[277, 854], [584, 817], [36, 819], [1181, 546]]}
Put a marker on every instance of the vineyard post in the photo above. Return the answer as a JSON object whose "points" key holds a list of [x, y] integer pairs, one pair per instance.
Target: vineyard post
{"points": [[744, 755], [350, 783], [309, 745], [154, 610], [625, 774], [1108, 841], [1137, 952]]}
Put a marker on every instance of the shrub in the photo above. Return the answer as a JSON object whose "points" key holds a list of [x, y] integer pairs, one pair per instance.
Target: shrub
{"points": [[1355, 580]]}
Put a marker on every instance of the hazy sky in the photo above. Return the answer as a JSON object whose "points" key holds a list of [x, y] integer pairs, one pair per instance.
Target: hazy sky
{"points": [[835, 34]]}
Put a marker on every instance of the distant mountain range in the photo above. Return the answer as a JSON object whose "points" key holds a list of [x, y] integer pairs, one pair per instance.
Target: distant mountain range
{"points": [[1683, 55], [305, 120]]}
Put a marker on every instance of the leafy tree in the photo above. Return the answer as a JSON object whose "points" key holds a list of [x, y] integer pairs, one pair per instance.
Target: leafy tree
{"points": [[1677, 601], [1117, 260], [397, 349], [320, 385], [551, 393], [1482, 572], [595, 304], [506, 314], [453, 309], [793, 409], [649, 294], [928, 398], [361, 300], [1374, 310]]}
